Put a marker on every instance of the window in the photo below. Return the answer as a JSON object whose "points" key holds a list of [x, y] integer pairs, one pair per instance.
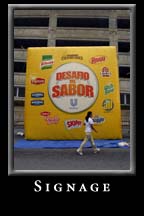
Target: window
{"points": [[33, 21], [124, 72], [15, 92], [19, 91], [123, 47], [83, 22], [20, 67], [123, 23], [81, 43], [125, 100], [25, 43]]}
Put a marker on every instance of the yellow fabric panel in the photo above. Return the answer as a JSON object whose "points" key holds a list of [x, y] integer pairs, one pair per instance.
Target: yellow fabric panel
{"points": [[63, 84]]}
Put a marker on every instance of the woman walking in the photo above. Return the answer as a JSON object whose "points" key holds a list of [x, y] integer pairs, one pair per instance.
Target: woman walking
{"points": [[88, 122]]}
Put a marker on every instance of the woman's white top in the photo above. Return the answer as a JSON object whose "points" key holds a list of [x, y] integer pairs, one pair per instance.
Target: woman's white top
{"points": [[88, 124]]}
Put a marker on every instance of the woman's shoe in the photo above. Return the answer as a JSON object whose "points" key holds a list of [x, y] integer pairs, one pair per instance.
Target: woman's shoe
{"points": [[79, 152], [96, 150]]}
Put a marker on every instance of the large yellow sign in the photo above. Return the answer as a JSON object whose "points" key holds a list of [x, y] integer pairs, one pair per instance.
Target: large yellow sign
{"points": [[63, 84]]}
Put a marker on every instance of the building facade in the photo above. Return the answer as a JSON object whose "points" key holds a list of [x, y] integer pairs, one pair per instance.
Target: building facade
{"points": [[78, 27]]}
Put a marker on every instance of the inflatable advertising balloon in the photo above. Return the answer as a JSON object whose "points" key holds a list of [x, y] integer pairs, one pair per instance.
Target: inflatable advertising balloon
{"points": [[63, 84]]}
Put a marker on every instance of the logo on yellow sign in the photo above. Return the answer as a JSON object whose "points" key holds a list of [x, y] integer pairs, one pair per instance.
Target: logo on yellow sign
{"points": [[73, 87]]}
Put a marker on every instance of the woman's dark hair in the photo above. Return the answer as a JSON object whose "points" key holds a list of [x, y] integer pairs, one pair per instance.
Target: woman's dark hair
{"points": [[88, 115]]}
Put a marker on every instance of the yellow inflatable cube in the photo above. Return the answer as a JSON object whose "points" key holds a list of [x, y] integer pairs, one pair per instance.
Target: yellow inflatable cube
{"points": [[63, 84]]}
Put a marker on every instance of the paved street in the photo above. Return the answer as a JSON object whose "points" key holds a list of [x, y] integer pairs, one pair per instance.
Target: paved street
{"points": [[67, 160]]}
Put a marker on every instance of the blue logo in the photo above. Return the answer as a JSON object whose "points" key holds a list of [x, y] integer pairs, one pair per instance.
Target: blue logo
{"points": [[37, 102], [98, 119], [73, 102], [37, 94]]}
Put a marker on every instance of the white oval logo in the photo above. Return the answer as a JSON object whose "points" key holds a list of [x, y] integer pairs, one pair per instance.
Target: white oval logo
{"points": [[73, 87]]}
